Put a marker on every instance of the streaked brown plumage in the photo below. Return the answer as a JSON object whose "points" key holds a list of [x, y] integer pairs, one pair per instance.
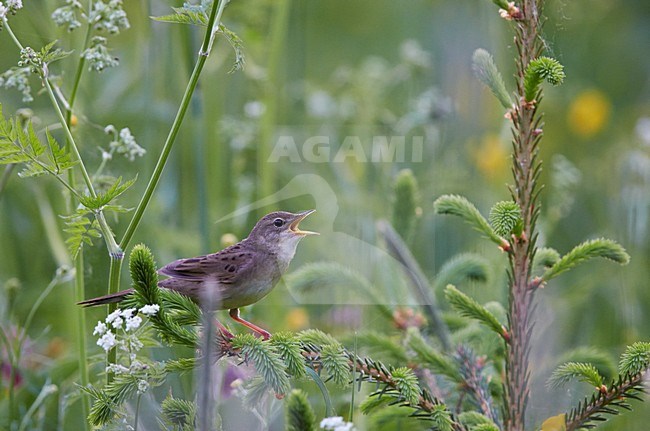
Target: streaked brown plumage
{"points": [[238, 275]]}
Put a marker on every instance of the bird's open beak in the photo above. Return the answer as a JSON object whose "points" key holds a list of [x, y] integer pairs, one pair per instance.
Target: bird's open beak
{"points": [[293, 226]]}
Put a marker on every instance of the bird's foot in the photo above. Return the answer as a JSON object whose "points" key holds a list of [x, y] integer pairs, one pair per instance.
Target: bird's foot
{"points": [[234, 313]]}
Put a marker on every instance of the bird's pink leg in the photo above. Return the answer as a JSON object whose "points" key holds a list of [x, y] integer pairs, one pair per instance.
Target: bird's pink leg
{"points": [[234, 313], [224, 331]]}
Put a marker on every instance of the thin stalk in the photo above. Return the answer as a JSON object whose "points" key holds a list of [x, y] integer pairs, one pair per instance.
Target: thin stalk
{"points": [[265, 173], [137, 412], [116, 263], [212, 27], [80, 295], [79, 283], [525, 166]]}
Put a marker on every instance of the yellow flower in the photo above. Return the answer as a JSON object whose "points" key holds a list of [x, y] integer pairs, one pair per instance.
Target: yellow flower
{"points": [[297, 319], [589, 113], [491, 157]]}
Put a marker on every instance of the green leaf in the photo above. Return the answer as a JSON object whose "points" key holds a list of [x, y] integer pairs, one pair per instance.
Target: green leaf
{"points": [[300, 415], [60, 159], [461, 207], [102, 199], [238, 47], [468, 307], [601, 247], [81, 230], [538, 70], [635, 359], [575, 370], [486, 71], [184, 16], [49, 56]]}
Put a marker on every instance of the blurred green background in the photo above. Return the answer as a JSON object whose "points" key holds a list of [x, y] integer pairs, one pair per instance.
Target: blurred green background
{"points": [[362, 68]]}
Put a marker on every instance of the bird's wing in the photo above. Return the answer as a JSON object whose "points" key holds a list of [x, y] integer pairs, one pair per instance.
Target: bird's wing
{"points": [[223, 267]]}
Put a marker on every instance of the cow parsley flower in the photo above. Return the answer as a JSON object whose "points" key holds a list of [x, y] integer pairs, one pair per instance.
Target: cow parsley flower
{"points": [[100, 328], [132, 323], [150, 310], [107, 341], [336, 423]]}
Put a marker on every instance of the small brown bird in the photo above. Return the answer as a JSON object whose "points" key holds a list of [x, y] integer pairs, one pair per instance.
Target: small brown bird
{"points": [[242, 274]]}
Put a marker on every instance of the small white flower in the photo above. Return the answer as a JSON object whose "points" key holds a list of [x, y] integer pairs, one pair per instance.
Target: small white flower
{"points": [[143, 385], [3, 11], [100, 328], [254, 109], [116, 369], [15, 4], [133, 323], [150, 310], [336, 423], [107, 341], [128, 313], [114, 315], [117, 322], [331, 422]]}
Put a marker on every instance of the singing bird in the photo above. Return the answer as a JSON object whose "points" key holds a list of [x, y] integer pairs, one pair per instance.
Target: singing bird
{"points": [[242, 274]]}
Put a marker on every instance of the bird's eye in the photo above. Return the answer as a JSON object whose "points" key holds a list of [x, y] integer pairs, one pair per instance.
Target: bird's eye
{"points": [[278, 222]]}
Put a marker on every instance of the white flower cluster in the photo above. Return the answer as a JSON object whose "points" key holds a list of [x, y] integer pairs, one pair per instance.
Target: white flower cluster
{"points": [[11, 7], [336, 423], [127, 321], [109, 16], [67, 15], [97, 55], [18, 78], [124, 143]]}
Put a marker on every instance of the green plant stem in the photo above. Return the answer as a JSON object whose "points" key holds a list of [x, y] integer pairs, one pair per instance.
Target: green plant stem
{"points": [[79, 289], [137, 412], [525, 171], [116, 263], [266, 181], [5, 177], [212, 26]]}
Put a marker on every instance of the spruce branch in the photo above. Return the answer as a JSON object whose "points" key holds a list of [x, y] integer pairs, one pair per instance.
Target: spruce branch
{"points": [[468, 307], [300, 416], [266, 361], [461, 207], [538, 70], [420, 284], [505, 218], [575, 370], [636, 358], [464, 267], [178, 412], [486, 71], [428, 356], [601, 247], [405, 205], [593, 411]]}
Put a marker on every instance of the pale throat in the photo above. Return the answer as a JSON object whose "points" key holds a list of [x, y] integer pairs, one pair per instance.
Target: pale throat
{"points": [[287, 249]]}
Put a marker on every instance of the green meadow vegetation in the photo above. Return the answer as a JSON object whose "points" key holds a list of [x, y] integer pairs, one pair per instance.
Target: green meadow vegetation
{"points": [[481, 175]]}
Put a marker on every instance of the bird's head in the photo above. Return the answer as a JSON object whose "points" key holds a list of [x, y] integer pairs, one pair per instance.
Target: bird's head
{"points": [[280, 231]]}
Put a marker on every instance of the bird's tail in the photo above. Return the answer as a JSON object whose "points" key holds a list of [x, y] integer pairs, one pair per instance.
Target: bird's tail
{"points": [[106, 299]]}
